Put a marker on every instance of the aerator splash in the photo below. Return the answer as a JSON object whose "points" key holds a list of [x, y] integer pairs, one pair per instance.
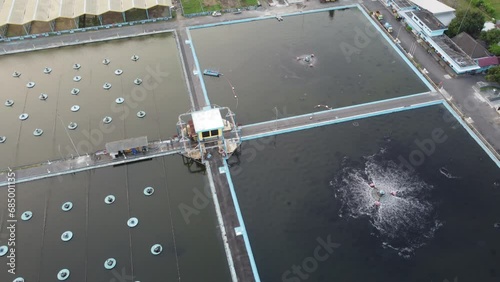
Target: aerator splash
{"points": [[396, 202]]}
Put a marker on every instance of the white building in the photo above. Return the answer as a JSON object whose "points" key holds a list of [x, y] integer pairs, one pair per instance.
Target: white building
{"points": [[488, 26], [429, 19], [424, 21], [441, 11]]}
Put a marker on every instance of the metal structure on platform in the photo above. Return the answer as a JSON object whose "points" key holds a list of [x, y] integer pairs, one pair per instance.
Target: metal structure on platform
{"points": [[131, 145], [213, 128]]}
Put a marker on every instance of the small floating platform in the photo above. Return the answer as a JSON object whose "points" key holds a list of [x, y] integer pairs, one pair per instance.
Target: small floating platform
{"points": [[212, 73]]}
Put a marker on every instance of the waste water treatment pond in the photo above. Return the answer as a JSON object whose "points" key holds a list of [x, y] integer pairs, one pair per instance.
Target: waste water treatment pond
{"points": [[191, 250], [268, 64], [310, 210], [76, 94]]}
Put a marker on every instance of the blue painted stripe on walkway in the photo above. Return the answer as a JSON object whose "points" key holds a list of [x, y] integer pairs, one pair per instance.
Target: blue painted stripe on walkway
{"points": [[272, 17], [340, 120], [184, 69], [200, 72], [372, 21], [220, 220], [242, 224], [337, 109], [472, 134]]}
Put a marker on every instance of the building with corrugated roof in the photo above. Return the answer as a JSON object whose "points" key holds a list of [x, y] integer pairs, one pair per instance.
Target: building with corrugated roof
{"points": [[476, 51], [19, 17]]}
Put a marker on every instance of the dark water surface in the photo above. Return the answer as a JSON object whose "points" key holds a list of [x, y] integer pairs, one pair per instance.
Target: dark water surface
{"points": [[191, 251], [353, 64], [300, 188], [162, 95]]}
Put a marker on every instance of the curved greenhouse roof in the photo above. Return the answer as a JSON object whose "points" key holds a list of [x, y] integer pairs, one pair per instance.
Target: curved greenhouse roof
{"points": [[24, 11]]}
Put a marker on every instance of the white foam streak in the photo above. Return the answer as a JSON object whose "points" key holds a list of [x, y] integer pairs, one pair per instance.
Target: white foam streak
{"points": [[405, 220]]}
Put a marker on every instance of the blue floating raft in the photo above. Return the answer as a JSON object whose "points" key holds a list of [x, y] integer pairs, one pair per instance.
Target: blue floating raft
{"points": [[212, 73]]}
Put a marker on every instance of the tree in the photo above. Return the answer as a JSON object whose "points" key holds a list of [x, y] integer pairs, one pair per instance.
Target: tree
{"points": [[493, 74], [492, 38], [484, 6], [494, 49], [471, 21]]}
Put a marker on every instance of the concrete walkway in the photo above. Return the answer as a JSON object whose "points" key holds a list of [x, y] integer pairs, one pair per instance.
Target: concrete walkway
{"points": [[197, 92], [338, 115], [169, 147], [227, 206], [87, 162]]}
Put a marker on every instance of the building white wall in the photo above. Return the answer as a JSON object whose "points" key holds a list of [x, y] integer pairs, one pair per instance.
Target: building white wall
{"points": [[422, 27], [445, 18]]}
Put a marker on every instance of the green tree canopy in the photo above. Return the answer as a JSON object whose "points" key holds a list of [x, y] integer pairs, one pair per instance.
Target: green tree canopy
{"points": [[493, 74], [492, 37], [485, 6], [494, 49], [471, 21]]}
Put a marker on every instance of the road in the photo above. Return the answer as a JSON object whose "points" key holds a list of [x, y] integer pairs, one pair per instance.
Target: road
{"points": [[485, 120]]}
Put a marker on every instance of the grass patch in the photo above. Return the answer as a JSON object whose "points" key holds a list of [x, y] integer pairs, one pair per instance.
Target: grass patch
{"points": [[495, 4], [490, 87], [198, 6], [490, 8], [191, 6], [216, 7], [246, 3]]}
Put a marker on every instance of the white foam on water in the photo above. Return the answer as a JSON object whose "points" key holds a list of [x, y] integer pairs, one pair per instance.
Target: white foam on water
{"points": [[444, 171], [404, 221]]}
